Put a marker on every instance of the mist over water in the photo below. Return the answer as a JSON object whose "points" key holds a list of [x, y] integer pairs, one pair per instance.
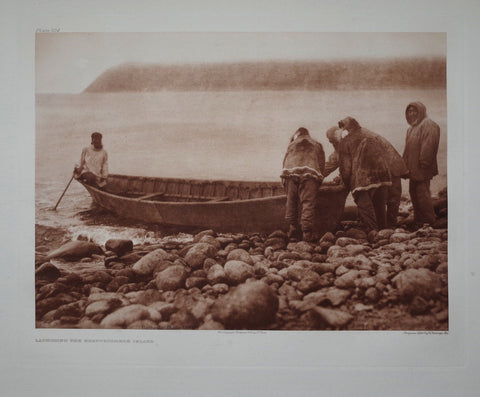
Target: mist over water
{"points": [[238, 135]]}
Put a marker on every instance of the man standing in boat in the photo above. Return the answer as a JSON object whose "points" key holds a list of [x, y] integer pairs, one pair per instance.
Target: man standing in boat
{"points": [[302, 175], [420, 155], [395, 163], [364, 171], [93, 168]]}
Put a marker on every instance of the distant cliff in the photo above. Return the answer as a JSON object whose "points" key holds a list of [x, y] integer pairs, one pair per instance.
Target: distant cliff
{"points": [[366, 74]]}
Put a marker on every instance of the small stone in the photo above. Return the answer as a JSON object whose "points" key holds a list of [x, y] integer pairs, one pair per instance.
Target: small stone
{"points": [[334, 296], [309, 282], [125, 316], [102, 307], [195, 282], [276, 243], [384, 234], [360, 307], [321, 268], [211, 324], [212, 241], [119, 246], [197, 254], [399, 237], [328, 237], [372, 294], [344, 241], [171, 278], [183, 319], [240, 255], [208, 263], [48, 272], [199, 236], [418, 306], [237, 271], [144, 297], [301, 246], [341, 270], [421, 282], [143, 324], [442, 315], [334, 318], [367, 282], [347, 280], [220, 289], [130, 259], [163, 308], [116, 283], [442, 268], [216, 274], [356, 234], [147, 264]]}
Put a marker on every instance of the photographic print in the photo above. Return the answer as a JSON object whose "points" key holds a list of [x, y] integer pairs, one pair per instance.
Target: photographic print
{"points": [[241, 181]]}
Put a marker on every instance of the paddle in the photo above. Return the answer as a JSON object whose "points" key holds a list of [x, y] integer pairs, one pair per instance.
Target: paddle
{"points": [[69, 182]]}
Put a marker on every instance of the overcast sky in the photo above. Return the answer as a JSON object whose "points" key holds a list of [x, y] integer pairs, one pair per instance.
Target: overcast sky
{"points": [[69, 62]]}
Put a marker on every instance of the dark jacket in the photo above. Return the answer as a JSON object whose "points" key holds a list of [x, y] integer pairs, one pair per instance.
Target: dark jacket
{"points": [[421, 146], [304, 158], [363, 165], [395, 162]]}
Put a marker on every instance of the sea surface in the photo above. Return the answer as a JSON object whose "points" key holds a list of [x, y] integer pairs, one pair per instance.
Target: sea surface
{"points": [[239, 135]]}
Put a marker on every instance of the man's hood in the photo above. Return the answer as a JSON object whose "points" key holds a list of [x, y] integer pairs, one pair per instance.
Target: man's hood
{"points": [[421, 110]]}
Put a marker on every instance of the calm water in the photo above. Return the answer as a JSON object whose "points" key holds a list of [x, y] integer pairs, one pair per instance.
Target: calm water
{"points": [[227, 135]]}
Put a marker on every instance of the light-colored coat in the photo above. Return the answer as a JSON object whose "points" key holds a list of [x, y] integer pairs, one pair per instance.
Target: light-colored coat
{"points": [[304, 158]]}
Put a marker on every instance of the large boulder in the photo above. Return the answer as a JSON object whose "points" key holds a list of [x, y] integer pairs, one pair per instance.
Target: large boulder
{"points": [[248, 306], [75, 250]]}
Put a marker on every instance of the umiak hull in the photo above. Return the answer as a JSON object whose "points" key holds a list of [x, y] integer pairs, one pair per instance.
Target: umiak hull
{"points": [[224, 206]]}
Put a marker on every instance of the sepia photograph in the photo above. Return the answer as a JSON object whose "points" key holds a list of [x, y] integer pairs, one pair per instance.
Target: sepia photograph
{"points": [[239, 198], [273, 181]]}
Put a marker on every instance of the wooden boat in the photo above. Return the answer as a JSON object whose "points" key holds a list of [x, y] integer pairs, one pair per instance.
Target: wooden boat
{"points": [[224, 206]]}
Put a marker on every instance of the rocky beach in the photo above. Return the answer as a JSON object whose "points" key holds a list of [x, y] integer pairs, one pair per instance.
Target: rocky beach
{"points": [[392, 280]]}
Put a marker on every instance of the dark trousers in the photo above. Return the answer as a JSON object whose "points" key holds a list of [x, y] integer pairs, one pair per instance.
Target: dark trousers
{"points": [[371, 207], [394, 194], [301, 195], [422, 202]]}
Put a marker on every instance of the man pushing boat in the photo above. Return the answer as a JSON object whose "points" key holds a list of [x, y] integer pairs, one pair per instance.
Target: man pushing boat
{"points": [[302, 175]]}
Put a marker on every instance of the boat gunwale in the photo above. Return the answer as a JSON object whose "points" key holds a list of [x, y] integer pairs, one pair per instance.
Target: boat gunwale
{"points": [[334, 188]]}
